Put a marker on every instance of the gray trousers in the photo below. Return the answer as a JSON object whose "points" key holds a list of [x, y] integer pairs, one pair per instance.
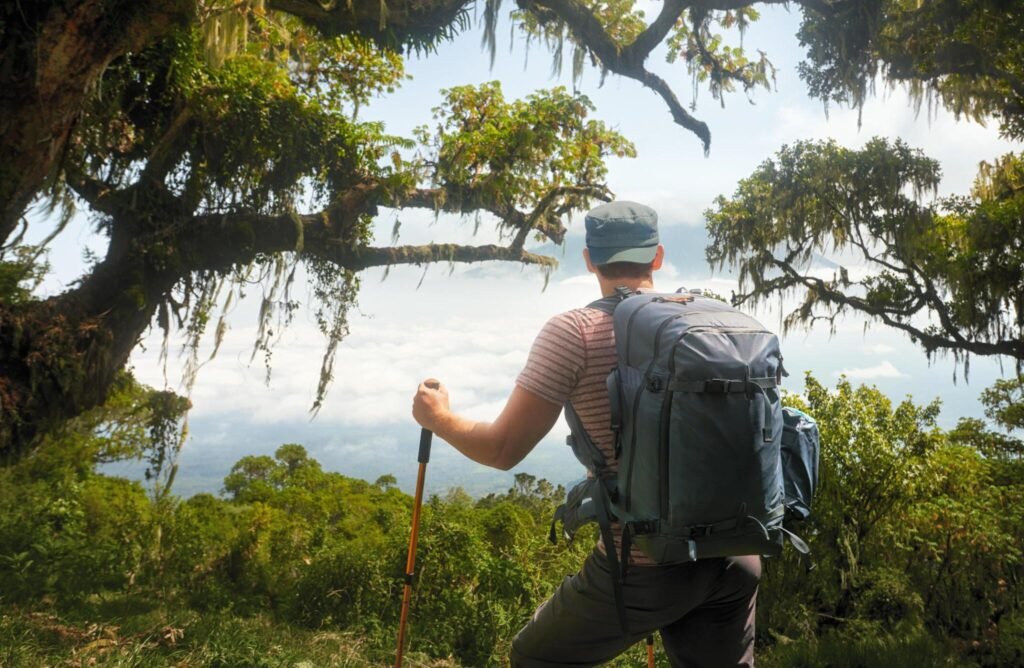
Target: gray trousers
{"points": [[704, 611]]}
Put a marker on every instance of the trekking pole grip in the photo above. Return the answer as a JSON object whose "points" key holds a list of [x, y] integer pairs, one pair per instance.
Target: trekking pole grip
{"points": [[426, 435], [425, 438]]}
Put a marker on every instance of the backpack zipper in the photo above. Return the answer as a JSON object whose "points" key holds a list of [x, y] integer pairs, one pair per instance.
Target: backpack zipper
{"points": [[663, 445], [707, 328]]}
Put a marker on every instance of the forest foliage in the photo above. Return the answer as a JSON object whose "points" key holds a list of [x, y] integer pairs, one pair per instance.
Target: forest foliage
{"points": [[221, 145], [915, 538], [949, 273]]}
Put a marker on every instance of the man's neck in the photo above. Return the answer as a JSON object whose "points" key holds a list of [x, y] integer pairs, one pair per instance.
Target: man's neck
{"points": [[608, 285]]}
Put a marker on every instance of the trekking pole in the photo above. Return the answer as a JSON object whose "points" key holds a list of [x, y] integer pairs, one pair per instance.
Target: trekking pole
{"points": [[410, 563], [650, 651]]}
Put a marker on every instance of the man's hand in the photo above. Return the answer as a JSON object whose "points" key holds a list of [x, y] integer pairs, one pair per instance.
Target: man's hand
{"points": [[430, 405], [501, 444]]}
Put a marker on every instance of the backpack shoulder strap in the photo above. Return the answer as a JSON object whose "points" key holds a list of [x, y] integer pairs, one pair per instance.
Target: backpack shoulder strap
{"points": [[582, 445], [608, 304]]}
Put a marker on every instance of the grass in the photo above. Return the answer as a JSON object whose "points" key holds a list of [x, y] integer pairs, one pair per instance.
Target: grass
{"points": [[118, 631], [140, 635], [834, 650]]}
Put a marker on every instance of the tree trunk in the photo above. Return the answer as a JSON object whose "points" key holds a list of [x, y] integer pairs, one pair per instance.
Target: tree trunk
{"points": [[59, 357], [52, 54]]}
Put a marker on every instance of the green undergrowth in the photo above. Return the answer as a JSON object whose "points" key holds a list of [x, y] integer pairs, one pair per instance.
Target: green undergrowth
{"points": [[120, 631], [851, 650], [915, 537], [128, 633]]}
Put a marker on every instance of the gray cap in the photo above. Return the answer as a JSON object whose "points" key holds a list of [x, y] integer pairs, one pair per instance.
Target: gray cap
{"points": [[622, 232]]}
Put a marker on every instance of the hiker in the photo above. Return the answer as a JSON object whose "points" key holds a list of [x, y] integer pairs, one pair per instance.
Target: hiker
{"points": [[704, 609]]}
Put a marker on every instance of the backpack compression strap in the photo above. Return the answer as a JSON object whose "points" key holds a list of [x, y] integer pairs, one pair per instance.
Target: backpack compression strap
{"points": [[747, 386], [604, 523]]}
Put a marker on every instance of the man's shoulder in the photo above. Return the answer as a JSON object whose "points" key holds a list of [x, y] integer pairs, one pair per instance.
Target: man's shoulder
{"points": [[582, 327], [582, 318]]}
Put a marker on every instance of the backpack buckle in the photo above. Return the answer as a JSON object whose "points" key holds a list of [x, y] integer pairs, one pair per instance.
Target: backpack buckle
{"points": [[655, 385], [621, 291], [700, 530], [716, 386], [644, 526]]}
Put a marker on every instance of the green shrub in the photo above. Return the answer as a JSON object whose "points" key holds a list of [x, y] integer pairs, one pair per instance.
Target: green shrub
{"points": [[1008, 649], [863, 645], [884, 595], [69, 539], [346, 587]]}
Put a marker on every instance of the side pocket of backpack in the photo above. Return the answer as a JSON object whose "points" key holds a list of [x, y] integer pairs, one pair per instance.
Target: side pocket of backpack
{"points": [[801, 446], [628, 386]]}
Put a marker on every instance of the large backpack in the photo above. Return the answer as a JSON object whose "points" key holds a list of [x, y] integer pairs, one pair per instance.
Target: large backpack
{"points": [[709, 463]]}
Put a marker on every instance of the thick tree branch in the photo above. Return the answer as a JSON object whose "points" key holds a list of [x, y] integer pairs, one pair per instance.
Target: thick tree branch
{"points": [[219, 242], [585, 26], [679, 113], [627, 62], [394, 23], [950, 339], [467, 201], [100, 196], [545, 217], [653, 35], [54, 54], [364, 258]]}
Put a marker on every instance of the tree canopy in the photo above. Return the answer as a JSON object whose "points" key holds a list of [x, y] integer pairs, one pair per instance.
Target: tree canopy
{"points": [[959, 259], [218, 144], [949, 271], [209, 173]]}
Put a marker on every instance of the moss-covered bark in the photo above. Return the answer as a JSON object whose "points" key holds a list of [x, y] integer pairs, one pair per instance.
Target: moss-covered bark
{"points": [[52, 55], [59, 357]]}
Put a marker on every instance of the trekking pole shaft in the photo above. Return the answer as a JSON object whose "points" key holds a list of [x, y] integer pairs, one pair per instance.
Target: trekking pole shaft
{"points": [[650, 651], [410, 563]]}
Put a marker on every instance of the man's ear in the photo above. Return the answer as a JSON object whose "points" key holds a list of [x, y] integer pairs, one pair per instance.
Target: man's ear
{"points": [[586, 258], [659, 258]]}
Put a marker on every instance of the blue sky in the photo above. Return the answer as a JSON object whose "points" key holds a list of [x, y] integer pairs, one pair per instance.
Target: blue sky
{"points": [[472, 326]]}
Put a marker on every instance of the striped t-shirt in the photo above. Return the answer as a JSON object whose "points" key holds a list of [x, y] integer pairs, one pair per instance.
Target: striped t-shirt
{"points": [[570, 360]]}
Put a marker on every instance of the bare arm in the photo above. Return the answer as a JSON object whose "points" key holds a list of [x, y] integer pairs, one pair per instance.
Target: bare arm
{"points": [[525, 420]]}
